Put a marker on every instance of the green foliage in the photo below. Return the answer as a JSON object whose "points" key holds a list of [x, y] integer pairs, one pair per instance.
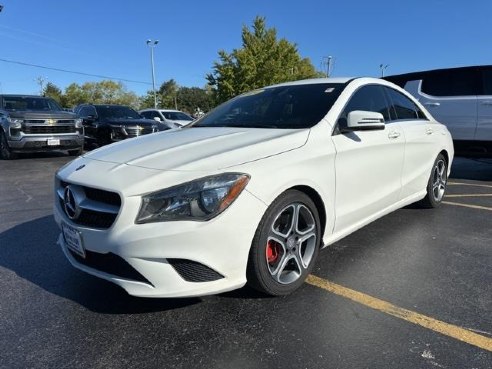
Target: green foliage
{"points": [[263, 60], [103, 92], [192, 99], [167, 94], [51, 90]]}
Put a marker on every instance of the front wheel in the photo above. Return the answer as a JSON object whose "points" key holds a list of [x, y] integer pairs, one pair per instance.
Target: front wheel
{"points": [[436, 187], [285, 245], [5, 152]]}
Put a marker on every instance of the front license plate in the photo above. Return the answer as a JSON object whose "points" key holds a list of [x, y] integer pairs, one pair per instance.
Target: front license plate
{"points": [[53, 142], [73, 239]]}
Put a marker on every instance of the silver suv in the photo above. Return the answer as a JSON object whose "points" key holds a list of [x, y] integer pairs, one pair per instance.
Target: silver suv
{"points": [[36, 123], [460, 98]]}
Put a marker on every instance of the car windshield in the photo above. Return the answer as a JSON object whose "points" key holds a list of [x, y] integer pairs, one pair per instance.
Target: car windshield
{"points": [[176, 115], [116, 112], [294, 106], [17, 103]]}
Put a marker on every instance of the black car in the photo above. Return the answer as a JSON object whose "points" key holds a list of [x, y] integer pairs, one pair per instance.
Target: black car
{"points": [[104, 124]]}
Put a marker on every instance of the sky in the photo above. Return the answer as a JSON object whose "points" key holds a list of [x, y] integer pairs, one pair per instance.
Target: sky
{"points": [[108, 38]]}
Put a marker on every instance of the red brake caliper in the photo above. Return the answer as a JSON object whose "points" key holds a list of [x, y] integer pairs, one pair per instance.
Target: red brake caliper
{"points": [[272, 251]]}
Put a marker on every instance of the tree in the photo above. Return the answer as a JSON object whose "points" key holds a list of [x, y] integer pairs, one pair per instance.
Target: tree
{"points": [[192, 98], [51, 90], [168, 93], [103, 92], [263, 60]]}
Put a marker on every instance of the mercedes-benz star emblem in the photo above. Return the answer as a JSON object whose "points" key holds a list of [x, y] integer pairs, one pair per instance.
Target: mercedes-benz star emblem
{"points": [[72, 209]]}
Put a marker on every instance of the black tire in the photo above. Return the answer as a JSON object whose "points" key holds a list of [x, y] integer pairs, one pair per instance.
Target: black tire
{"points": [[76, 152], [296, 255], [5, 152], [436, 186]]}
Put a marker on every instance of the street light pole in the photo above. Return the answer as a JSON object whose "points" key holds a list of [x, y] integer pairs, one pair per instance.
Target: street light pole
{"points": [[152, 44], [383, 68]]}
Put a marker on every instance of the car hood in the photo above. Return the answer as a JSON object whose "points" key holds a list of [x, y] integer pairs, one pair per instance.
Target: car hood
{"points": [[129, 122], [201, 149]]}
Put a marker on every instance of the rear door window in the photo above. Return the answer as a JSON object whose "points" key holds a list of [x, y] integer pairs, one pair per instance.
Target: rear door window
{"points": [[452, 82], [402, 107], [487, 81]]}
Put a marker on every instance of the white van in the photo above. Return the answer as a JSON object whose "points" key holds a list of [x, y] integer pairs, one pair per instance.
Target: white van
{"points": [[460, 98]]}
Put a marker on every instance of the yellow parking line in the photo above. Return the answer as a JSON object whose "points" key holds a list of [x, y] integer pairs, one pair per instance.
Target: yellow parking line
{"points": [[467, 205], [472, 195], [468, 184], [446, 329]]}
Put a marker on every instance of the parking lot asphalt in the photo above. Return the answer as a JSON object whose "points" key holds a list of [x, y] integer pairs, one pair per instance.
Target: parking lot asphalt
{"points": [[411, 290]]}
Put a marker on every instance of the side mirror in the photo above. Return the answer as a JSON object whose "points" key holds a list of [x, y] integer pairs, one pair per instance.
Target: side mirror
{"points": [[359, 120], [89, 119], [157, 119]]}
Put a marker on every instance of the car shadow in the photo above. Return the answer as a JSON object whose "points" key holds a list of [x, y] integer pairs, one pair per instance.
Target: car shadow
{"points": [[472, 169], [30, 251]]}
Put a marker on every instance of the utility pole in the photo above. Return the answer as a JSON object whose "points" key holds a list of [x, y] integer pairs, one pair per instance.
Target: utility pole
{"points": [[327, 63], [40, 81]]}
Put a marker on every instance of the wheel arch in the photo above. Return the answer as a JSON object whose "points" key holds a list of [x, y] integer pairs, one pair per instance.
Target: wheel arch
{"points": [[318, 202], [446, 155]]}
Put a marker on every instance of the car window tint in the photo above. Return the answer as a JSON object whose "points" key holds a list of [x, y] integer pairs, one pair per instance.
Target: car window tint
{"points": [[86, 111], [487, 81], [288, 107], [452, 82], [403, 107], [368, 98]]}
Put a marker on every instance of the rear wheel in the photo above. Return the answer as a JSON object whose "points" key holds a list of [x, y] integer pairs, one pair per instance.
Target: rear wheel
{"points": [[436, 187], [285, 245], [5, 152]]}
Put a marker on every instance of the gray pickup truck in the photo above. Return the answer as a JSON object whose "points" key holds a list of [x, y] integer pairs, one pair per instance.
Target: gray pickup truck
{"points": [[36, 124]]}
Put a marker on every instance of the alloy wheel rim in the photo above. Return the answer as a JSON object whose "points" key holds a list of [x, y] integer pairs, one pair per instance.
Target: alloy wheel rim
{"points": [[291, 243], [439, 179]]}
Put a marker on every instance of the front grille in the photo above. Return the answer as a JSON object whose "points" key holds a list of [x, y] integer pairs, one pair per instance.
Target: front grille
{"points": [[111, 264], [106, 197], [47, 129], [94, 213], [192, 271], [138, 131]]}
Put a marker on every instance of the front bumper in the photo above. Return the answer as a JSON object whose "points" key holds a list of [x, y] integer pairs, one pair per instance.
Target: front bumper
{"points": [[37, 143], [220, 245]]}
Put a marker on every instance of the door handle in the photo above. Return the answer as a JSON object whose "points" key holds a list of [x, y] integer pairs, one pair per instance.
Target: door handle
{"points": [[393, 134], [429, 131], [432, 104], [486, 102]]}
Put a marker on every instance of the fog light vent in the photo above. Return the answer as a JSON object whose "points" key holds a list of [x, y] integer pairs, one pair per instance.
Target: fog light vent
{"points": [[191, 271]]}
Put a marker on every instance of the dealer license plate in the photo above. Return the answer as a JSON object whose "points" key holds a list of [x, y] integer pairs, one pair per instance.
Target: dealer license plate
{"points": [[73, 239], [53, 142]]}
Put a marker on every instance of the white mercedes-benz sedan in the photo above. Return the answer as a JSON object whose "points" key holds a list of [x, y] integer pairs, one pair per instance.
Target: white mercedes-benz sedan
{"points": [[250, 192]]}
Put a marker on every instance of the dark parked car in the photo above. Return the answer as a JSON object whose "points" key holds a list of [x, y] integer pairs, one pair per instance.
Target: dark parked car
{"points": [[105, 124], [36, 123]]}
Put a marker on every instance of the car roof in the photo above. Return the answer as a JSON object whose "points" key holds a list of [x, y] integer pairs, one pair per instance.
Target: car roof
{"points": [[312, 81], [22, 95], [164, 110]]}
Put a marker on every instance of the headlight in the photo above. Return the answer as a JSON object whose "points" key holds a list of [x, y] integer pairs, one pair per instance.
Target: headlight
{"points": [[15, 123], [201, 199], [78, 123]]}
